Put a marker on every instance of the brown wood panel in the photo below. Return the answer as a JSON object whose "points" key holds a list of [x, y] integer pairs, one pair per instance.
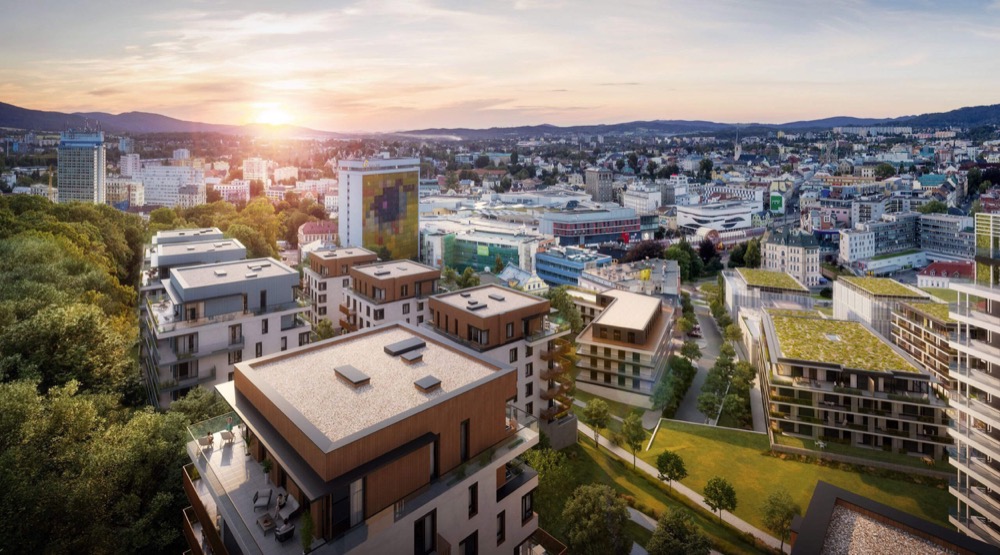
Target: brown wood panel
{"points": [[388, 484], [206, 521], [501, 476], [193, 541], [497, 325]]}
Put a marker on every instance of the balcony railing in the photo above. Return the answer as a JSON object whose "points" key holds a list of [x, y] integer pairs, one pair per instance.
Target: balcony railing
{"points": [[548, 329], [162, 318], [175, 383]]}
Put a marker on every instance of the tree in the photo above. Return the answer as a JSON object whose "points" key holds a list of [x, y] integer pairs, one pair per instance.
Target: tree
{"points": [[469, 278], [720, 496], [643, 250], [732, 333], [753, 256], [497, 265], [620, 164], [256, 244], [705, 168], [933, 207], [633, 433], [596, 415], [306, 535], [555, 480], [735, 405], [560, 300], [736, 256], [596, 519], [976, 208], [671, 468], [706, 250], [690, 350], [685, 325], [975, 178], [884, 171], [323, 330], [708, 405], [482, 161], [200, 404], [778, 511], [677, 534]]}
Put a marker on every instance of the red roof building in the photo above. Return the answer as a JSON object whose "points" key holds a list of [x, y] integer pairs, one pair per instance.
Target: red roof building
{"points": [[940, 274]]}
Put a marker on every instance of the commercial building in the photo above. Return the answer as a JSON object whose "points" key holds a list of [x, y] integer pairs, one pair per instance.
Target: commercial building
{"points": [[598, 184], [563, 266], [643, 199], [871, 300], [479, 248], [81, 167], [647, 277], [386, 292], [163, 183], [513, 328], [590, 227], [626, 346], [838, 381], [388, 440], [720, 216], [947, 237], [750, 289], [212, 316], [378, 204], [922, 330], [976, 397], [895, 233], [794, 253], [325, 278]]}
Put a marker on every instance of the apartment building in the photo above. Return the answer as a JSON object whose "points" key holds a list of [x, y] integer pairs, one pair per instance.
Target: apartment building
{"points": [[626, 346], [388, 440], [976, 397], [871, 300], [647, 277], [185, 247], [513, 328], [752, 288], [563, 266], [838, 381], [894, 233], [586, 302], [947, 237], [923, 330], [327, 276], [598, 183], [385, 292], [211, 316], [794, 253]]}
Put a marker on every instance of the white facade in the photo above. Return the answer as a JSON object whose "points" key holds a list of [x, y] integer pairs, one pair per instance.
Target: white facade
{"points": [[182, 154], [236, 191], [642, 199], [120, 189], [288, 172], [855, 245], [351, 218], [190, 196], [162, 183], [792, 254], [721, 216], [412, 310], [853, 301], [130, 165], [255, 169], [81, 167]]}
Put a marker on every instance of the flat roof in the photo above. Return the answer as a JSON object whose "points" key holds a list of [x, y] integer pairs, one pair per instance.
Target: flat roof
{"points": [[884, 287], [936, 310], [770, 279], [395, 269], [198, 247], [229, 272], [842, 342], [629, 310], [306, 380], [340, 252], [496, 299]]}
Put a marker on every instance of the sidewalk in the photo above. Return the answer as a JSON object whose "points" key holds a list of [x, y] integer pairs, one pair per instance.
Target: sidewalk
{"points": [[728, 517]]}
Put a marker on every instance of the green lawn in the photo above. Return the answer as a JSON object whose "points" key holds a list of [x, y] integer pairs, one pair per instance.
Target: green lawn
{"points": [[588, 466], [885, 456], [826, 310], [740, 458], [946, 295], [619, 409]]}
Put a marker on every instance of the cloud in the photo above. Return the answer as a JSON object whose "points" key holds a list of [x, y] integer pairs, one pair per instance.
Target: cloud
{"points": [[620, 84]]}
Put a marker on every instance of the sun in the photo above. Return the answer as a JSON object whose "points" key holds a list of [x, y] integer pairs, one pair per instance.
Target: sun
{"points": [[273, 114]]}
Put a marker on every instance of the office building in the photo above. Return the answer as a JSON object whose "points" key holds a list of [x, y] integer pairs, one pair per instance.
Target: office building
{"points": [[720, 216], [563, 266], [163, 184], [976, 397], [212, 316], [894, 233], [513, 328], [839, 381], [387, 292], [626, 346], [598, 184], [947, 237], [752, 288], [590, 227], [378, 204], [794, 253], [81, 167], [871, 300], [647, 277], [326, 276], [388, 440]]}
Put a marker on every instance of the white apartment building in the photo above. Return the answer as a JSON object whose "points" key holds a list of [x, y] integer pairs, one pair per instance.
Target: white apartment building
{"points": [[162, 184], [190, 196], [287, 172], [326, 276], [236, 191], [642, 199], [130, 165], [256, 169], [212, 316], [794, 253], [386, 292], [182, 154], [121, 189]]}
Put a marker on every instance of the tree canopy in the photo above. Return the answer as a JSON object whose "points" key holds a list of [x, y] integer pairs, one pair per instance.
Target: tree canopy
{"points": [[677, 534], [596, 519]]}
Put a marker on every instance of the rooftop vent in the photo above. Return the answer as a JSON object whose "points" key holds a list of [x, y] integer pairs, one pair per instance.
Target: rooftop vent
{"points": [[477, 306], [220, 245], [250, 275], [427, 384], [401, 268], [181, 233], [412, 357], [352, 375], [832, 337], [404, 346], [473, 303], [466, 295], [382, 272], [190, 248], [496, 297], [220, 273]]}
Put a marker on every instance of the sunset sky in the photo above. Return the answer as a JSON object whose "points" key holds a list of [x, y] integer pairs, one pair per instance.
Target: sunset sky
{"points": [[393, 65]]}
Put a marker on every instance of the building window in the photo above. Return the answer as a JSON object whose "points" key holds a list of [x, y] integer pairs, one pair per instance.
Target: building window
{"points": [[379, 313], [463, 444], [529, 369], [425, 534], [322, 298], [513, 355], [631, 337], [322, 286], [235, 334], [529, 390], [420, 319], [635, 384], [404, 290], [593, 349], [263, 326], [303, 338], [258, 350], [406, 308], [470, 545], [501, 527], [284, 343], [420, 306], [528, 351], [593, 375], [235, 357], [529, 408], [322, 311], [527, 503], [618, 335], [635, 357], [510, 330], [346, 282], [473, 500], [621, 355], [607, 352]]}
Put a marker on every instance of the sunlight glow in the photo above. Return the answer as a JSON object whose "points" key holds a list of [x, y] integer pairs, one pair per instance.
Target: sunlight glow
{"points": [[272, 114]]}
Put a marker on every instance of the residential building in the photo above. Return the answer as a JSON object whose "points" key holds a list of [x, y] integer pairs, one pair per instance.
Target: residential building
{"points": [[386, 292], [586, 302], [323, 230], [182, 154], [378, 204], [326, 276], [947, 237], [871, 300], [212, 316], [189, 196], [839, 381], [286, 173], [626, 346], [590, 227], [942, 274], [513, 328], [598, 184], [563, 266], [895, 233], [130, 165], [390, 440], [720, 216], [185, 247], [793, 252], [648, 277], [976, 397], [643, 199], [751, 289], [120, 191], [922, 330], [163, 183], [674, 191], [236, 191], [81, 167], [255, 169]]}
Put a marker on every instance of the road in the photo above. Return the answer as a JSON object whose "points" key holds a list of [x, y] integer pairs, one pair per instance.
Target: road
{"points": [[710, 344]]}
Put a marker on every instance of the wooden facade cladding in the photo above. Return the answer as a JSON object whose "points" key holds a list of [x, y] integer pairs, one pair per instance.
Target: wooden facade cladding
{"points": [[455, 321], [397, 479], [207, 523], [365, 284], [339, 266]]}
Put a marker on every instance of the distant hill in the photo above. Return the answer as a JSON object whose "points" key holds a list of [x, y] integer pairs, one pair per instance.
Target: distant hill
{"points": [[963, 117], [23, 118]]}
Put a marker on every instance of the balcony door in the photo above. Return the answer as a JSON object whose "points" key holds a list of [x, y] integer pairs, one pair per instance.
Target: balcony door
{"points": [[357, 501]]}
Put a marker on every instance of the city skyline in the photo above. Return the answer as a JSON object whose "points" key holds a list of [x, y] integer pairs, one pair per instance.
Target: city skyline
{"points": [[440, 64]]}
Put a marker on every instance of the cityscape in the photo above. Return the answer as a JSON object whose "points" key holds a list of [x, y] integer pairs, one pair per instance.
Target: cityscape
{"points": [[382, 278]]}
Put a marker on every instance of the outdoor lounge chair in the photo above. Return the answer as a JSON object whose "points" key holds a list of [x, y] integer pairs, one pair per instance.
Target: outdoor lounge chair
{"points": [[291, 505], [262, 499], [284, 532]]}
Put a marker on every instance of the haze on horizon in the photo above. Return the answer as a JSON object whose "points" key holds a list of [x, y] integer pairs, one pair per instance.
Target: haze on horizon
{"points": [[375, 65]]}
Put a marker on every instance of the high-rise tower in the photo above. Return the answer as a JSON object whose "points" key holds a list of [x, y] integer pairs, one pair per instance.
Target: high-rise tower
{"points": [[81, 166]]}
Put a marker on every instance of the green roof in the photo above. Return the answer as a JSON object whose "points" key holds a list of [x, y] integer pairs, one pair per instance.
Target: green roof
{"points": [[793, 312], [895, 254], [769, 279], [849, 344], [883, 287], [933, 309]]}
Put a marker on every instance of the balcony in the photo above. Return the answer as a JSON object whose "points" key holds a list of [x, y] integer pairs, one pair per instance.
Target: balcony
{"points": [[554, 411], [296, 322], [560, 349], [980, 379], [517, 475], [981, 410], [549, 330], [346, 311], [552, 393], [552, 373], [975, 438], [161, 315]]}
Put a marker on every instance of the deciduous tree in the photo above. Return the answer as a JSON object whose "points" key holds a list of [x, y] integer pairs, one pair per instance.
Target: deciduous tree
{"points": [[596, 519], [720, 496]]}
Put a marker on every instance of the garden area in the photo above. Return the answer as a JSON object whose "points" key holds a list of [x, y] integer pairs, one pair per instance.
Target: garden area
{"points": [[874, 454], [744, 459]]}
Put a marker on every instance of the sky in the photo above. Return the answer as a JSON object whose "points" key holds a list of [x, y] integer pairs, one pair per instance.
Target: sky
{"points": [[374, 65]]}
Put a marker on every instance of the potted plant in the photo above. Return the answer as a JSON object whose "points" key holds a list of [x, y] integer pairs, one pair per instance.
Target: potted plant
{"points": [[306, 534], [266, 465], [245, 432]]}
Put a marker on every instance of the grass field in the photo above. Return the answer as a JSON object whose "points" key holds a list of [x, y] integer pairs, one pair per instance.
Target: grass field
{"points": [[739, 457], [946, 295], [876, 454]]}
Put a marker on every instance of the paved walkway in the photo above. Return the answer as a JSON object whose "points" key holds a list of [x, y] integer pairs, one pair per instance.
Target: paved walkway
{"points": [[710, 344], [728, 517]]}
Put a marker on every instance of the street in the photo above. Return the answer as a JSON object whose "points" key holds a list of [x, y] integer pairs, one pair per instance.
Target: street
{"points": [[710, 344]]}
